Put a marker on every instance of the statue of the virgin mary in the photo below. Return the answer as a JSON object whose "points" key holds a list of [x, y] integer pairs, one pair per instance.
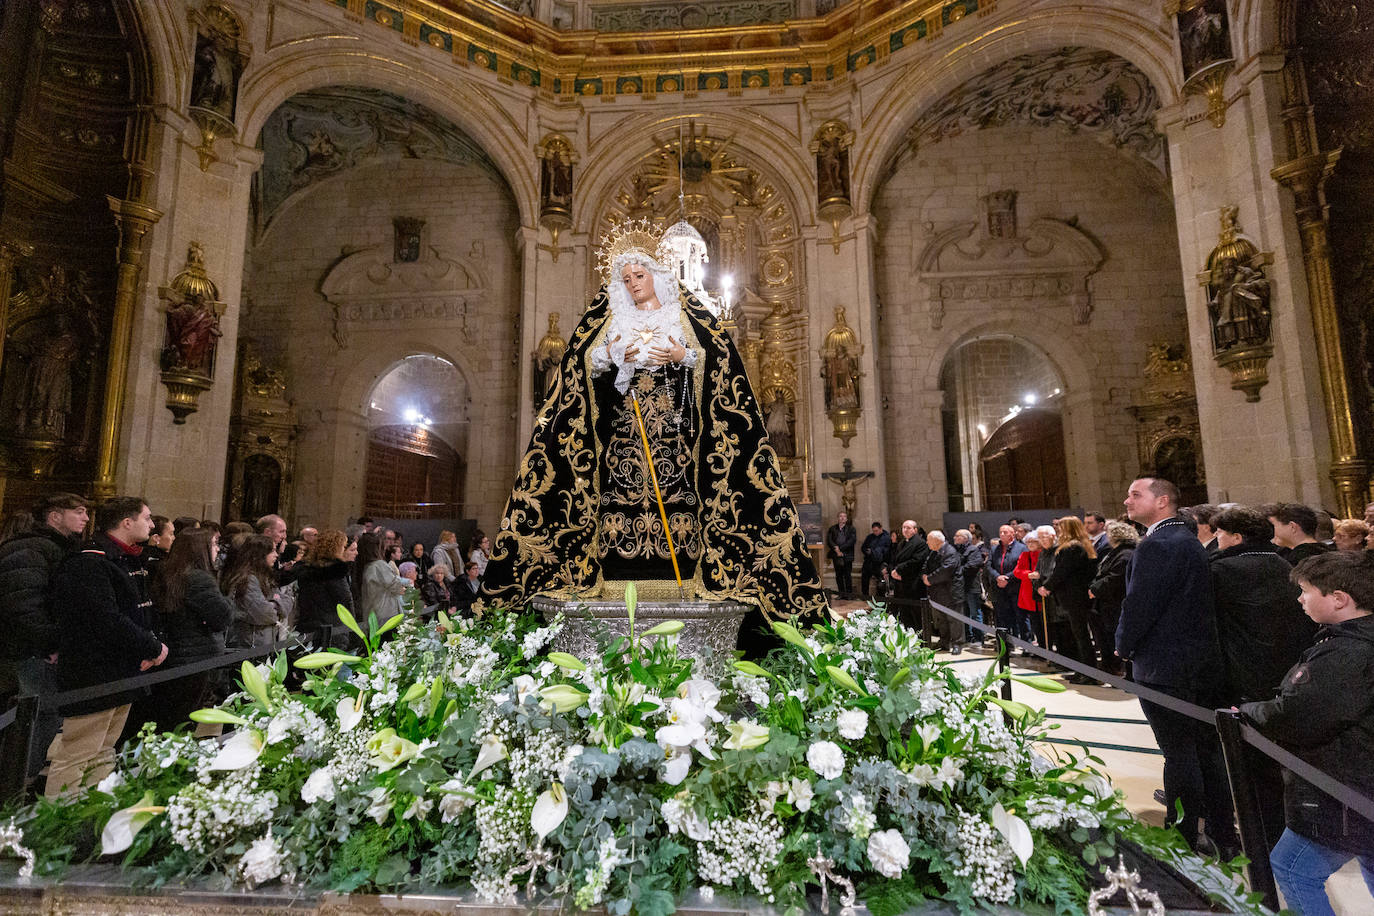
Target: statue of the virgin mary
{"points": [[584, 516]]}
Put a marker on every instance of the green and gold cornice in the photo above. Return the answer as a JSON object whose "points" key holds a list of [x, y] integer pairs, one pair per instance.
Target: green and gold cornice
{"points": [[589, 64]]}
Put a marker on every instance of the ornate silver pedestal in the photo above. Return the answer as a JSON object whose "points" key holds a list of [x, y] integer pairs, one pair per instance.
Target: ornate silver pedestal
{"points": [[709, 627]]}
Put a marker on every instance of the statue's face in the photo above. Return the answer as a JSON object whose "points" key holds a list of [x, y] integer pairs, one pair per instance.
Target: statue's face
{"points": [[639, 283]]}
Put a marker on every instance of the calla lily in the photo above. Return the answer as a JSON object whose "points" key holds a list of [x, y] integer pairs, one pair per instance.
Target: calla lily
{"points": [[350, 712], [239, 751], [214, 716], [125, 824], [389, 750], [549, 811], [746, 734], [1043, 684], [751, 669], [493, 750], [563, 697], [844, 679], [350, 621], [666, 628], [325, 659], [790, 634], [254, 684], [1014, 709], [570, 662], [1014, 831]]}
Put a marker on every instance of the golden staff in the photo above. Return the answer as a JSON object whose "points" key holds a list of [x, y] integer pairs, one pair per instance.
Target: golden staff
{"points": [[658, 494]]}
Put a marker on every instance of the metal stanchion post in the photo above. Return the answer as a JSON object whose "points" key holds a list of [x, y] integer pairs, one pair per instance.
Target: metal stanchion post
{"points": [[1252, 837], [15, 741]]}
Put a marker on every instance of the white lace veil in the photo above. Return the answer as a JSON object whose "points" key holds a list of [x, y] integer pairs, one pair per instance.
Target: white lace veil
{"points": [[665, 281]]}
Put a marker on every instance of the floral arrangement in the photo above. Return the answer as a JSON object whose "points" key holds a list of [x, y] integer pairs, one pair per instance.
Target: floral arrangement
{"points": [[465, 752]]}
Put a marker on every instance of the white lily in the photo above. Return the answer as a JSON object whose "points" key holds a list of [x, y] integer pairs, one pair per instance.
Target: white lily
{"points": [[745, 734], [349, 711], [549, 811], [239, 751], [493, 751], [1014, 831], [524, 686], [125, 824], [677, 765], [702, 694]]}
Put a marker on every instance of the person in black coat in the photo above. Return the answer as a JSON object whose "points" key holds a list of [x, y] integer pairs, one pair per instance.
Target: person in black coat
{"points": [[194, 617], [1070, 580], [28, 563], [945, 586], [1324, 712], [104, 617], [1108, 589], [875, 549], [840, 539], [323, 585], [908, 563], [1168, 632]]}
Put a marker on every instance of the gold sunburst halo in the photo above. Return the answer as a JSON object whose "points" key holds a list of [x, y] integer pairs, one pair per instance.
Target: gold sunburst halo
{"points": [[638, 235]]}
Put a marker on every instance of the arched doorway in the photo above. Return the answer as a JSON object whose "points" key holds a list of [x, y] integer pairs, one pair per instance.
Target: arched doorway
{"points": [[991, 387], [417, 432], [1022, 466]]}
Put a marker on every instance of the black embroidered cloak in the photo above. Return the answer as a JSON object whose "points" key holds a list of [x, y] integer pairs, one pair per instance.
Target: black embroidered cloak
{"points": [[747, 543]]}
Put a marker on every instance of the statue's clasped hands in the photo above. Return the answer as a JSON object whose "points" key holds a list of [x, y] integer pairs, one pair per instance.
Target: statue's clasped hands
{"points": [[674, 352]]}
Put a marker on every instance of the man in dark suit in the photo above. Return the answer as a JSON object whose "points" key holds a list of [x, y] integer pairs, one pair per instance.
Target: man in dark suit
{"points": [[1003, 588], [1096, 525], [839, 544], [908, 565], [1168, 632], [945, 586], [875, 548]]}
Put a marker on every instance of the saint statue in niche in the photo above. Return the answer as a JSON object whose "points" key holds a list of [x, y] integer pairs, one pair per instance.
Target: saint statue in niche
{"points": [[832, 168], [1239, 305], [584, 510], [1204, 34], [215, 77], [555, 182], [54, 353], [780, 426], [840, 365]]}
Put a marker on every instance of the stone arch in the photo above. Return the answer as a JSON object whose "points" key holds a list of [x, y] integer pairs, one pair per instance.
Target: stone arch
{"points": [[1054, 339], [158, 71], [363, 376], [630, 141], [318, 63], [1140, 41]]}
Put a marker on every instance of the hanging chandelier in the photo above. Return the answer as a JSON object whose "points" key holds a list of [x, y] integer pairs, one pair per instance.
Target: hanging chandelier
{"points": [[686, 244]]}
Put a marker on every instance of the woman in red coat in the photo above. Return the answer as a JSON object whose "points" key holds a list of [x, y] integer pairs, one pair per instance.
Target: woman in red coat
{"points": [[1025, 573]]}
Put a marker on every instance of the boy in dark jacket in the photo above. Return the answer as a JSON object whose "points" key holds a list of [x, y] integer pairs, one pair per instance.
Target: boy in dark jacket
{"points": [[101, 607], [1324, 711]]}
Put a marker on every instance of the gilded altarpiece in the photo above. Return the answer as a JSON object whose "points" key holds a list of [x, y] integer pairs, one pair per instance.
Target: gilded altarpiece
{"points": [[752, 236], [1168, 434], [262, 445]]}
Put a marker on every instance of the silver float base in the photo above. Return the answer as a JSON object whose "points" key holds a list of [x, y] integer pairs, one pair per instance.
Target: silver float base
{"points": [[709, 627]]}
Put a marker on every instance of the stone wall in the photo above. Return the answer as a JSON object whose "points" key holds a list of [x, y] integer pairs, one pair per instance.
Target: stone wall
{"points": [[327, 304], [1093, 191]]}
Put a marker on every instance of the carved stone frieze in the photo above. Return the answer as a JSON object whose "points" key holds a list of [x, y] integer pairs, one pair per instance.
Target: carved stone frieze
{"points": [[1052, 260], [370, 289], [647, 17], [1095, 92]]}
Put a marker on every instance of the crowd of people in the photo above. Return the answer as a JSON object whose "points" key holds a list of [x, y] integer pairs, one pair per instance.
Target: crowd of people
{"points": [[1265, 610], [98, 594]]}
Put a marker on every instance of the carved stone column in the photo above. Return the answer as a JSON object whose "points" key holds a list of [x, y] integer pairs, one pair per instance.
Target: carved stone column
{"points": [[134, 219], [1305, 175]]}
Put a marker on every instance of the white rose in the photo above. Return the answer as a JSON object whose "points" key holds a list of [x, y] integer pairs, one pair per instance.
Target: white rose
{"points": [[852, 724], [826, 758], [319, 787], [888, 852]]}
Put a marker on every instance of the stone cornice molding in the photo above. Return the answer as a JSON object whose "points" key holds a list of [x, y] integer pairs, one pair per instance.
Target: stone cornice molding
{"points": [[1052, 260]]}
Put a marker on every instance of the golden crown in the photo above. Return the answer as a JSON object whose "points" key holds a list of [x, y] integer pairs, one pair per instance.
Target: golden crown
{"points": [[636, 235]]}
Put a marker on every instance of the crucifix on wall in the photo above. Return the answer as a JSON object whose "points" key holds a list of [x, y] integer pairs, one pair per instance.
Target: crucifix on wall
{"points": [[848, 479]]}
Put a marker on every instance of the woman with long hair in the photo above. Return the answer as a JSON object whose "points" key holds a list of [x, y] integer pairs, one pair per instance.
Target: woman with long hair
{"points": [[446, 553], [194, 617], [323, 585], [379, 587], [481, 553], [1075, 564], [260, 615], [420, 559]]}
